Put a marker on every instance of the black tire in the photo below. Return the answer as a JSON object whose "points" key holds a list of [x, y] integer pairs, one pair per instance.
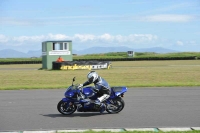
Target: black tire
{"points": [[66, 111], [119, 105]]}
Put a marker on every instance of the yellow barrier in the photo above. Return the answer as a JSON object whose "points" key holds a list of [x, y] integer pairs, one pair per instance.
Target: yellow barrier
{"points": [[75, 67], [109, 66]]}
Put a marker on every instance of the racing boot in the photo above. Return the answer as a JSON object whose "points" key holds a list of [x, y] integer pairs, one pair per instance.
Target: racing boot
{"points": [[100, 105], [102, 108], [97, 102]]}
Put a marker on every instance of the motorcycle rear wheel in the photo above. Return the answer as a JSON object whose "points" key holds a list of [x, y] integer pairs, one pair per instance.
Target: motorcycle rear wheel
{"points": [[66, 109], [117, 106]]}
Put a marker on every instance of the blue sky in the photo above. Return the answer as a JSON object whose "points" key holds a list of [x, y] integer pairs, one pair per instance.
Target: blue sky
{"points": [[172, 24]]}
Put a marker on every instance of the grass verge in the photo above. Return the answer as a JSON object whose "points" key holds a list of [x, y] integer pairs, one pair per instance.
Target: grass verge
{"points": [[194, 131], [124, 73]]}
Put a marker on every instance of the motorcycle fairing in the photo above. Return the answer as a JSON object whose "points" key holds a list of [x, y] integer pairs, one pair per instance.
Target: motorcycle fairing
{"points": [[67, 100], [71, 93], [117, 91], [89, 92]]}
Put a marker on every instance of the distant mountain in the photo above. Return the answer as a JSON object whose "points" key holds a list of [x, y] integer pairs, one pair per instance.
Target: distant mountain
{"points": [[97, 50], [37, 53], [74, 51], [10, 53], [93, 50], [156, 50]]}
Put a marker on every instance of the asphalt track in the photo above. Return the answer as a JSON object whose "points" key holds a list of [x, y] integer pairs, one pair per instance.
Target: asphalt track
{"points": [[145, 107]]}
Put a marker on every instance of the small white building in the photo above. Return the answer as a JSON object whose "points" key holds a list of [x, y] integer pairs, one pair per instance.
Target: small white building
{"points": [[130, 53]]}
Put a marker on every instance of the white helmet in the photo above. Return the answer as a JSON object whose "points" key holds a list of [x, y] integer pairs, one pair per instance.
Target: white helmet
{"points": [[92, 76]]}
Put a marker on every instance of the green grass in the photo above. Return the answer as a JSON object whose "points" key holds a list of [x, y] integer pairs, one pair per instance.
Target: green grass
{"points": [[137, 55], [19, 59], [113, 55], [125, 73], [180, 54], [194, 131]]}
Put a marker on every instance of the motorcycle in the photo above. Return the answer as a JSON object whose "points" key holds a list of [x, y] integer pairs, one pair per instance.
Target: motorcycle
{"points": [[83, 100]]}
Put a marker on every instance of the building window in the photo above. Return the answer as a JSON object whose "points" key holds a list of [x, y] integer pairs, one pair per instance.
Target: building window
{"points": [[56, 46], [130, 52], [65, 46], [61, 46]]}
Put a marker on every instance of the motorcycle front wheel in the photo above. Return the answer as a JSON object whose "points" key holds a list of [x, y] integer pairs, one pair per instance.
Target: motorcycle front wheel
{"points": [[66, 108], [116, 106]]}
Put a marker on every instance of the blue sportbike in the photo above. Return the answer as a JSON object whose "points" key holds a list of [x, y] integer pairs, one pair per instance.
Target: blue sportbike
{"points": [[83, 100]]}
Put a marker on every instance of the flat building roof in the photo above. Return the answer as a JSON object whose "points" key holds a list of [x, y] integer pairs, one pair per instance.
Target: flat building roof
{"points": [[59, 41]]}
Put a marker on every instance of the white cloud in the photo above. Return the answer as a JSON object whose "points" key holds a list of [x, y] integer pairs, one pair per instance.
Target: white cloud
{"points": [[106, 37], [80, 40], [168, 18], [15, 21], [132, 38], [83, 38], [56, 37], [25, 39], [83, 41], [171, 7], [3, 39], [180, 43], [96, 20], [191, 43]]}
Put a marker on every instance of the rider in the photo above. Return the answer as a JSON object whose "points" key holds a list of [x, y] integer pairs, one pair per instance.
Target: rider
{"points": [[101, 85]]}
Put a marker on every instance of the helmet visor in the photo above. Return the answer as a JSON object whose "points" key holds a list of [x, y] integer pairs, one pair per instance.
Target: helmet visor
{"points": [[90, 80]]}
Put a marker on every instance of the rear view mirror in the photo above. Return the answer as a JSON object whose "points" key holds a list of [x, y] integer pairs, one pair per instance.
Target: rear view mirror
{"points": [[74, 79]]}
